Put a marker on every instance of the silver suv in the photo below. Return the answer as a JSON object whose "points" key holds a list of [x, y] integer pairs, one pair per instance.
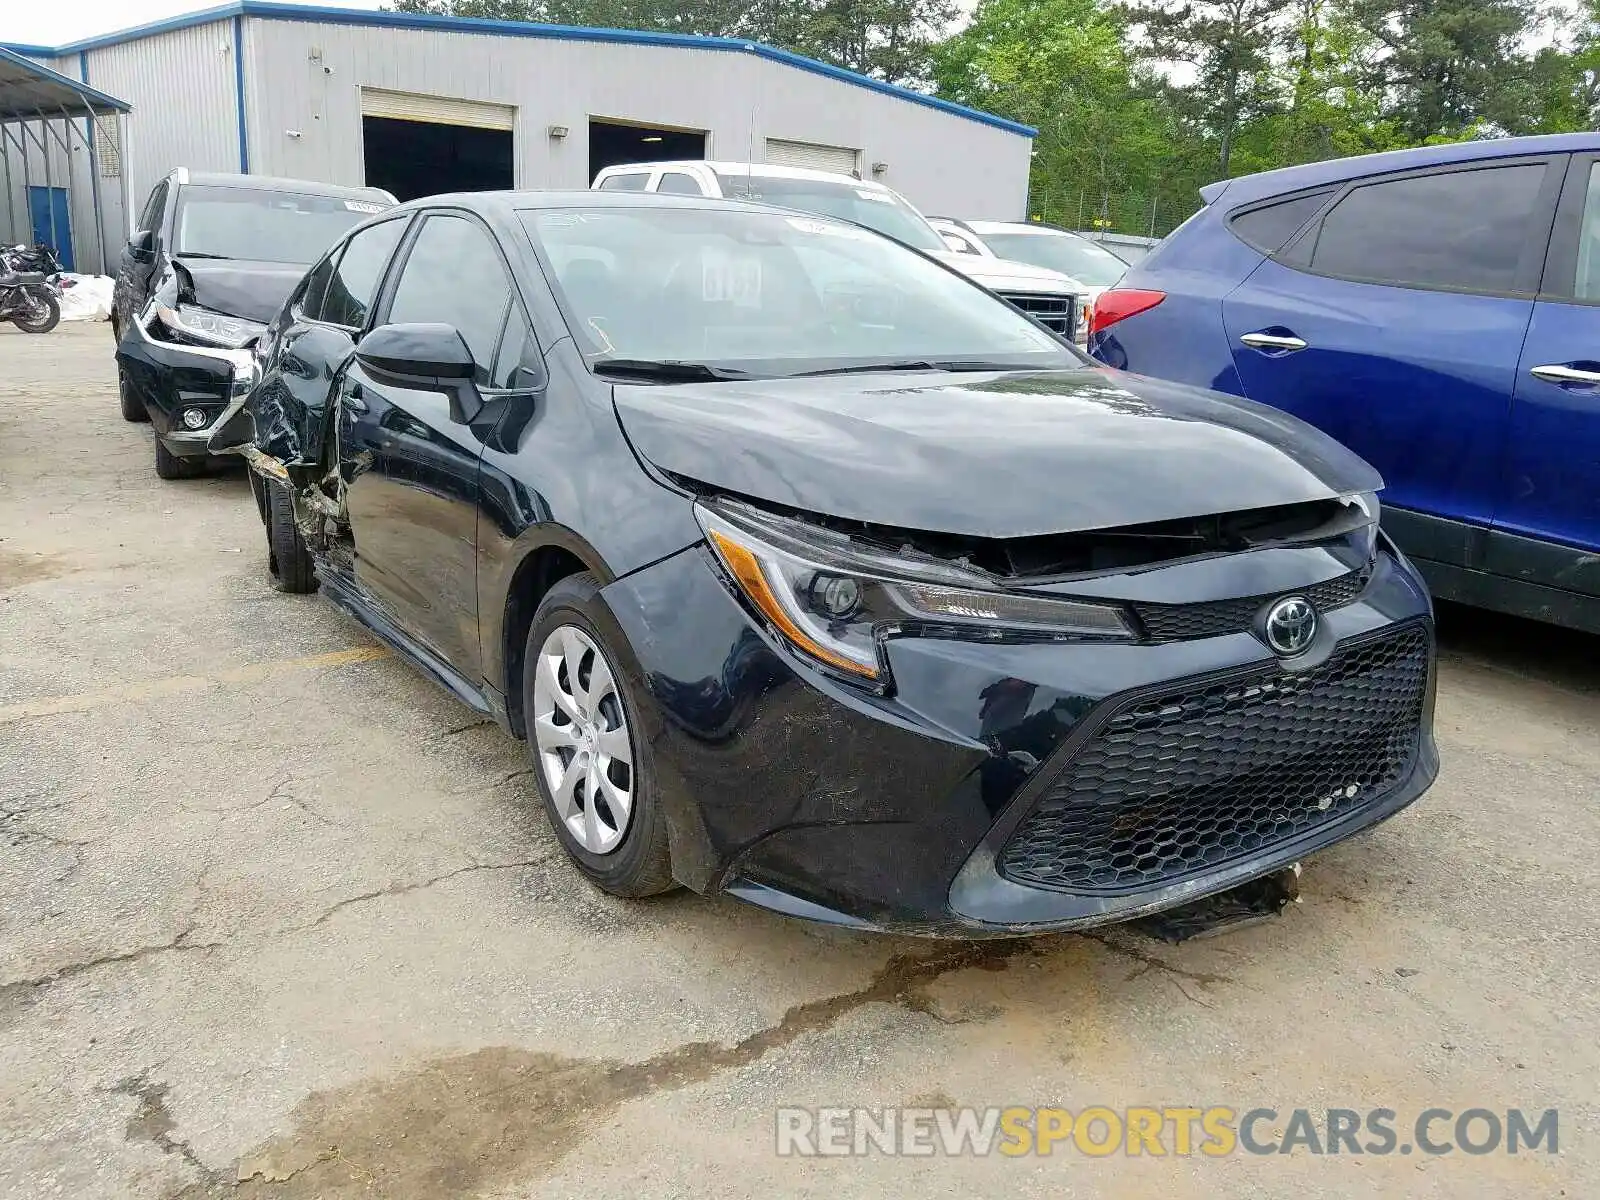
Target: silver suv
{"points": [[1052, 298]]}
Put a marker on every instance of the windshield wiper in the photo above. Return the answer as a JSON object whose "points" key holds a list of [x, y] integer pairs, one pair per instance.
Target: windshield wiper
{"points": [[910, 364], [200, 254], [666, 371]]}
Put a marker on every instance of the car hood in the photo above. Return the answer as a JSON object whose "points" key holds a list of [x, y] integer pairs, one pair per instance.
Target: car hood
{"points": [[240, 288], [1002, 273], [997, 454]]}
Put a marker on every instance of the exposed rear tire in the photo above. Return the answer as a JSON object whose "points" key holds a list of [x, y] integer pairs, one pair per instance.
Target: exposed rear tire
{"points": [[171, 466], [624, 854], [288, 558], [133, 408]]}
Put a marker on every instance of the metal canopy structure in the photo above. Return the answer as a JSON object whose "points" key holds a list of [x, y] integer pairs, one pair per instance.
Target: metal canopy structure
{"points": [[44, 117]]}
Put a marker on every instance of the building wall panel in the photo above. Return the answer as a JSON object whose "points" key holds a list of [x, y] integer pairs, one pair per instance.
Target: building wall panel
{"points": [[181, 87], [303, 100]]}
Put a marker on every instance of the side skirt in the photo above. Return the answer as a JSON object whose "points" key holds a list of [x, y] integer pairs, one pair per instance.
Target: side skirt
{"points": [[338, 588]]}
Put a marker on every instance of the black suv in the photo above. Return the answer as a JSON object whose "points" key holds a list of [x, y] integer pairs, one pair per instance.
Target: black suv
{"points": [[814, 573], [212, 260]]}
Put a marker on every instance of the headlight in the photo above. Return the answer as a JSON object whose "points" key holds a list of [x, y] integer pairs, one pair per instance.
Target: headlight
{"points": [[835, 601], [211, 328]]}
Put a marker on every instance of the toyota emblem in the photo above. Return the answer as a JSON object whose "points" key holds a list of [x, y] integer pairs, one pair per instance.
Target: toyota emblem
{"points": [[1291, 625]]}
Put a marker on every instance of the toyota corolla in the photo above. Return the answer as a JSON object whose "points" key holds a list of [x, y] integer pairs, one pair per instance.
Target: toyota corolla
{"points": [[813, 573]]}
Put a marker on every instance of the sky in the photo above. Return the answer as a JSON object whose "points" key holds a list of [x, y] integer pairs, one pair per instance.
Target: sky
{"points": [[55, 24]]}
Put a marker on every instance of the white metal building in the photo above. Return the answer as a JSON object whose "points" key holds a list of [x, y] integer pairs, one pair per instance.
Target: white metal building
{"points": [[423, 104]]}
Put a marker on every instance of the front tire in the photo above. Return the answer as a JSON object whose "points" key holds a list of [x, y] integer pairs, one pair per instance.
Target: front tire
{"points": [[46, 314], [288, 558], [133, 408], [171, 466], [591, 759]]}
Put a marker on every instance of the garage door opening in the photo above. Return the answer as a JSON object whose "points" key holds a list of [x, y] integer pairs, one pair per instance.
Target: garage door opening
{"points": [[612, 143], [423, 158]]}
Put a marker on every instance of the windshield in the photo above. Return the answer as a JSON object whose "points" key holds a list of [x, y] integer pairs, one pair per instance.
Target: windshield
{"points": [[286, 227], [873, 207], [770, 294], [1083, 260]]}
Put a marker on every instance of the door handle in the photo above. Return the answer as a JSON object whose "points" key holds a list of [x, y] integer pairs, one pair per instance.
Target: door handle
{"points": [[1562, 375], [1273, 341]]}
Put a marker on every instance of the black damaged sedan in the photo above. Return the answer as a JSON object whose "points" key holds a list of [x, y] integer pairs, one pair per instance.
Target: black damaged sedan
{"points": [[813, 573]]}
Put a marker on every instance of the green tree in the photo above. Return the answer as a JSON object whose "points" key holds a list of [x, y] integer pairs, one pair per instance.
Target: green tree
{"points": [[1062, 67], [1228, 45], [1448, 66], [1564, 79]]}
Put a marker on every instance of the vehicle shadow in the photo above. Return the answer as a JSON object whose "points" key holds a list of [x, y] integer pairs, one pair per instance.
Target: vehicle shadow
{"points": [[1532, 650]]}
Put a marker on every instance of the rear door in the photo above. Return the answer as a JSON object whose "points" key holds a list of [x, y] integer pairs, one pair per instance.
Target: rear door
{"points": [[1393, 319], [413, 491], [1552, 466]]}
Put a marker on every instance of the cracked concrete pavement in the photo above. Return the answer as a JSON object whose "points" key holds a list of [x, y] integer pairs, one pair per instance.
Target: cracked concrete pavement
{"points": [[278, 918]]}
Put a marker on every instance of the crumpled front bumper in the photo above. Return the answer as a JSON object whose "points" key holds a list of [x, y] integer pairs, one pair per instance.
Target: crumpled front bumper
{"points": [[803, 794], [170, 378]]}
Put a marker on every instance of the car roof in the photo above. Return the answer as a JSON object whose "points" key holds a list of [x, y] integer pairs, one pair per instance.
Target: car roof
{"points": [[1288, 179], [758, 170], [507, 203], [273, 183]]}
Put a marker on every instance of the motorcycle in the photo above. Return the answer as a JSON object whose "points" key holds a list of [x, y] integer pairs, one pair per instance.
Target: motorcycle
{"points": [[30, 288]]}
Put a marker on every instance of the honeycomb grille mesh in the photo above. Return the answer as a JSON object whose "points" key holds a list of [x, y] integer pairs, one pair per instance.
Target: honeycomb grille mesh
{"points": [[1192, 779], [1184, 622]]}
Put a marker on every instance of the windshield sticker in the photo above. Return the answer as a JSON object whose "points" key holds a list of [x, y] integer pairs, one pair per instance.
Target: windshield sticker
{"points": [[825, 228], [363, 206], [725, 279]]}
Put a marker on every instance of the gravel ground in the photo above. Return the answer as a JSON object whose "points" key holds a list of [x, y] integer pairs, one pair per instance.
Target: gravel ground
{"points": [[279, 918]]}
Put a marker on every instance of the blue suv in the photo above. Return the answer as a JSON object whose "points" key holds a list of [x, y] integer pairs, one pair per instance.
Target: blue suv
{"points": [[1438, 311]]}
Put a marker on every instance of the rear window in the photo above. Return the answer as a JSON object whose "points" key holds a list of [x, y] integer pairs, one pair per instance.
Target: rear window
{"points": [[633, 182], [1269, 227], [267, 226], [1461, 230]]}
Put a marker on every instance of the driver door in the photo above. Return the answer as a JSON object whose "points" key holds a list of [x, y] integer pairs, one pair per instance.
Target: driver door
{"points": [[411, 469]]}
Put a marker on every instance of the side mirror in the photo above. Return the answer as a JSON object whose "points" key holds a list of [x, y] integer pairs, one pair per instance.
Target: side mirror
{"points": [[425, 357], [142, 245]]}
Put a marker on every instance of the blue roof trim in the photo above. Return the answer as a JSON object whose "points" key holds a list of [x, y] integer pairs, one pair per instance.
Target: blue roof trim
{"points": [[30, 51], [93, 95], [268, 10]]}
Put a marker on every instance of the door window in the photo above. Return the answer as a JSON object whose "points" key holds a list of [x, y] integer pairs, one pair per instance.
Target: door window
{"points": [[679, 183], [315, 288], [1268, 228], [509, 371], [150, 218], [455, 275], [354, 282], [632, 182], [1587, 285], [1461, 230]]}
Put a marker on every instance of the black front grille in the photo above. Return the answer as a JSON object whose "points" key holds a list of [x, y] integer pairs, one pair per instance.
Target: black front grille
{"points": [[1178, 783], [1057, 312], [1182, 622]]}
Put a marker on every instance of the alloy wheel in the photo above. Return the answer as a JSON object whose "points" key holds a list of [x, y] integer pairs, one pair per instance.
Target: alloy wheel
{"points": [[581, 734]]}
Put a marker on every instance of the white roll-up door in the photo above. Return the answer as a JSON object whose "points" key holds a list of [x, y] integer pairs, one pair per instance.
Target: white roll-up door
{"points": [[840, 159], [441, 110]]}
